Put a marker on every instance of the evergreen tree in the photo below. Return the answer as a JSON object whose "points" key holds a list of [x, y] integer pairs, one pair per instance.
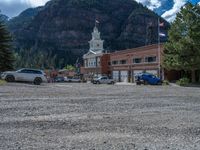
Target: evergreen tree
{"points": [[6, 54], [30, 58], [182, 51]]}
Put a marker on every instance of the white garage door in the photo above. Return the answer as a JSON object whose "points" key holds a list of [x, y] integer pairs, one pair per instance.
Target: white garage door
{"points": [[154, 72], [116, 75], [124, 76]]}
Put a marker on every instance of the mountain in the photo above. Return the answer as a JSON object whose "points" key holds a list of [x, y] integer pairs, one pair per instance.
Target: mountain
{"points": [[62, 28], [3, 18], [22, 21]]}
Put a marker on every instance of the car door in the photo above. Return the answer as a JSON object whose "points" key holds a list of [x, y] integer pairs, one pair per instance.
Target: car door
{"points": [[31, 75], [104, 80], [21, 75]]}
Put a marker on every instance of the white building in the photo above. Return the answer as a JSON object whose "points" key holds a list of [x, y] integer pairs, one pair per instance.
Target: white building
{"points": [[92, 59]]}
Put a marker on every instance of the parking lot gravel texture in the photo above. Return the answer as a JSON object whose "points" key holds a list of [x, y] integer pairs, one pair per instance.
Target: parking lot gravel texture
{"points": [[99, 117]]}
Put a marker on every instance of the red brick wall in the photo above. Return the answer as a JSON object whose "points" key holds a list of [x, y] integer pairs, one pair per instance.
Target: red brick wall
{"points": [[141, 52], [105, 67]]}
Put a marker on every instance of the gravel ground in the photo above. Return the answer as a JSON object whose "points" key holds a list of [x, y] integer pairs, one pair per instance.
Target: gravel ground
{"points": [[99, 117]]}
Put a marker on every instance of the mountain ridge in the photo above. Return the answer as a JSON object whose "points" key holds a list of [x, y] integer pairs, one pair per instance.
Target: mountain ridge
{"points": [[63, 27]]}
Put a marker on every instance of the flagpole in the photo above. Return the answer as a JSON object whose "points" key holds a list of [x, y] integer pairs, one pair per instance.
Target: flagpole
{"points": [[159, 59]]}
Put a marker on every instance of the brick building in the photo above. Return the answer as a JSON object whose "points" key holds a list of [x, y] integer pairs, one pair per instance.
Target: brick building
{"points": [[126, 64]]}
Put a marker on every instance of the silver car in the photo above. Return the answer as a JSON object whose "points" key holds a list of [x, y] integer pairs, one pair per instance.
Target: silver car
{"points": [[103, 80], [25, 75]]}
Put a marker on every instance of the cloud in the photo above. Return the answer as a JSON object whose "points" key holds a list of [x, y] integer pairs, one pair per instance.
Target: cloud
{"points": [[170, 15], [35, 3], [13, 8], [151, 4]]}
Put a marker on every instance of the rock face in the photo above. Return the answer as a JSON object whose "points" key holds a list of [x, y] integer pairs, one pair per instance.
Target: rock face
{"points": [[63, 27]]}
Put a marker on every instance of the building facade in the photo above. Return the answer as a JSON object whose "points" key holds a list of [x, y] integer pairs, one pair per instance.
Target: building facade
{"points": [[96, 61], [126, 64]]}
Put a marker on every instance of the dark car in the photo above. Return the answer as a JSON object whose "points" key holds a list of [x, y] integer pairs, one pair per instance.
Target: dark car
{"points": [[147, 78], [59, 79]]}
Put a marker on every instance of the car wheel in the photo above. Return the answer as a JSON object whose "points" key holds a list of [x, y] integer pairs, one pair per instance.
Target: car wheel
{"points": [[159, 83], [10, 78], [37, 81], [138, 83], [112, 82]]}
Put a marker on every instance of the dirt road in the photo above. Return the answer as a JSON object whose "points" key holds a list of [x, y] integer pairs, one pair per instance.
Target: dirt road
{"points": [[99, 117]]}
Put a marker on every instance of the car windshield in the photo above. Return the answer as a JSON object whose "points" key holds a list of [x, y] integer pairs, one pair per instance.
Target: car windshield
{"points": [[19, 70]]}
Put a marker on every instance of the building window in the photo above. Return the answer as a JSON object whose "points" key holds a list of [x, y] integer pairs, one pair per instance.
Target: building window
{"points": [[114, 62], [150, 59], [122, 61], [137, 60]]}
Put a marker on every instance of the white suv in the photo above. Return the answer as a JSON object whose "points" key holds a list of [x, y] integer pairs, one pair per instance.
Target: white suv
{"points": [[25, 75]]}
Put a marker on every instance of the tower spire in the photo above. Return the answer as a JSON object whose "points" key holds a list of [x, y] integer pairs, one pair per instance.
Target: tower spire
{"points": [[96, 44]]}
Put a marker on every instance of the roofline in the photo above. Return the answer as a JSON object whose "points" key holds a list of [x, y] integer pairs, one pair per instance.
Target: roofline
{"points": [[136, 49], [30, 69]]}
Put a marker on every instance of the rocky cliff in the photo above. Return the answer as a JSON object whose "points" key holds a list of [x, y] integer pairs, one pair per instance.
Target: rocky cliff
{"points": [[63, 27]]}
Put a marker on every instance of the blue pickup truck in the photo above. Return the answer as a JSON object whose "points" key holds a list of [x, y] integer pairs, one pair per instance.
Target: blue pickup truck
{"points": [[147, 78]]}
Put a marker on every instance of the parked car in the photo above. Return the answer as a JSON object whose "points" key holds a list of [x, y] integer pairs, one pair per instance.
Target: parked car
{"points": [[1, 74], [59, 79], [147, 78], [103, 80], [25, 75], [74, 79], [95, 78]]}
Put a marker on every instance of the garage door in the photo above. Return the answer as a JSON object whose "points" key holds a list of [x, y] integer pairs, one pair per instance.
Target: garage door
{"points": [[124, 76], [154, 72], [115, 75]]}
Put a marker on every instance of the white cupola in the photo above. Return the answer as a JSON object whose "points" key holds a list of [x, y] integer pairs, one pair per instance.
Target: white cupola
{"points": [[96, 44]]}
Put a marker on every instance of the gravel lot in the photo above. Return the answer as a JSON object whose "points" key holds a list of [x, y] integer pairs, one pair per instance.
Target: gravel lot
{"points": [[99, 117]]}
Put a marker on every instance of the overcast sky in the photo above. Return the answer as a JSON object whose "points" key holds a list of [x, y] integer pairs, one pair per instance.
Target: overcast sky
{"points": [[12, 8]]}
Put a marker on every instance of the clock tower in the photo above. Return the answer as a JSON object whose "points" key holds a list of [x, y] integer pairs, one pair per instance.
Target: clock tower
{"points": [[96, 44]]}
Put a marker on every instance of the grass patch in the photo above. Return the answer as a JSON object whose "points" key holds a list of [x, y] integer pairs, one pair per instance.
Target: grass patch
{"points": [[2, 82], [183, 81]]}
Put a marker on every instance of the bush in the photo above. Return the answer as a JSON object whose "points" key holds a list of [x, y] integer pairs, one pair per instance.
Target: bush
{"points": [[165, 82], [183, 81], [2, 82]]}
